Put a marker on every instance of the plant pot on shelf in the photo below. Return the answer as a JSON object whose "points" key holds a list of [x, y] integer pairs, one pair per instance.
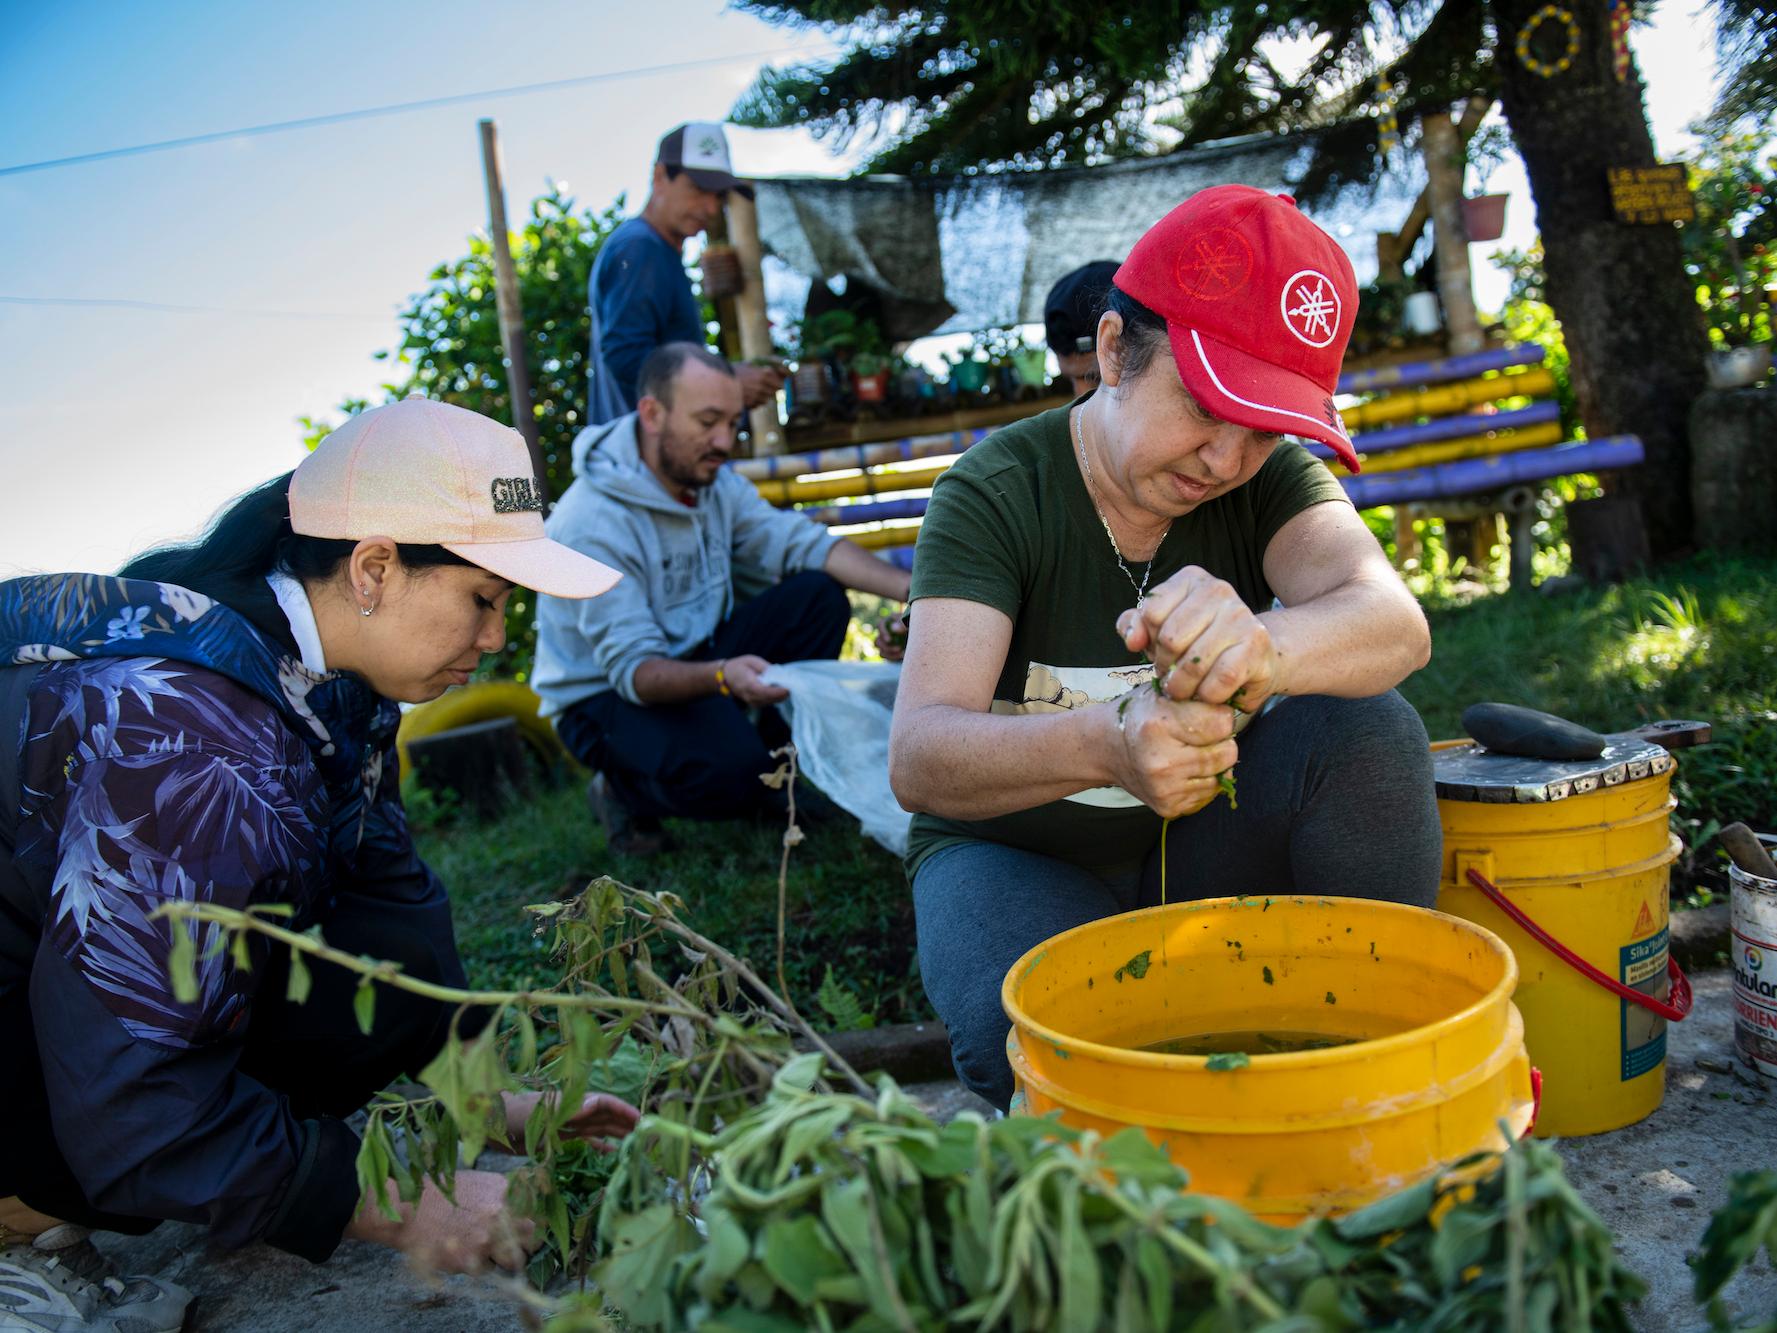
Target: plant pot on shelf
{"points": [[721, 271], [1032, 366], [871, 388], [967, 377], [1484, 217]]}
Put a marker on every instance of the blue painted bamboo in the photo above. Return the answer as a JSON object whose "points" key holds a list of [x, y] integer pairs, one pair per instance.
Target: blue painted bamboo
{"points": [[1439, 371], [1444, 428], [837, 457], [1470, 476], [875, 511]]}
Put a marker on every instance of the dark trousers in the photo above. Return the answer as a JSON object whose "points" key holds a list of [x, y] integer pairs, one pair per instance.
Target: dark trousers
{"points": [[702, 759], [1335, 797], [313, 1053]]}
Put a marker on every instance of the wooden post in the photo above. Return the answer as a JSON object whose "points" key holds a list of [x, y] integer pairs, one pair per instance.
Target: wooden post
{"points": [[518, 374], [749, 310], [1444, 157], [727, 322]]}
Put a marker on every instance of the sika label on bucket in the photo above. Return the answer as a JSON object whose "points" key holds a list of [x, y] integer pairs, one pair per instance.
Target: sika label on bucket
{"points": [[1755, 966]]}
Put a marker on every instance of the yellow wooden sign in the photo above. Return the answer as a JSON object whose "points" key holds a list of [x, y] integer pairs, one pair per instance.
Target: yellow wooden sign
{"points": [[1651, 194]]}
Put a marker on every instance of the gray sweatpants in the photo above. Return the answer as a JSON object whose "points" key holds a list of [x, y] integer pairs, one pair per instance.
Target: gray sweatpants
{"points": [[1335, 797]]}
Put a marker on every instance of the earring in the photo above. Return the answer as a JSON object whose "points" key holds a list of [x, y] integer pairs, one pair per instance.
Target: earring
{"points": [[366, 610]]}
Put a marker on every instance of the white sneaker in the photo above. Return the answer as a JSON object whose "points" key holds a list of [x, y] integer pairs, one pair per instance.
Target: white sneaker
{"points": [[58, 1283]]}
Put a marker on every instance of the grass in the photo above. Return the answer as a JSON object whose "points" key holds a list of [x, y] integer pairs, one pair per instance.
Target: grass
{"points": [[1698, 640], [847, 898]]}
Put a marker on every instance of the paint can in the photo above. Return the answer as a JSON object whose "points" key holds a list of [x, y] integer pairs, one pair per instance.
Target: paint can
{"points": [[1754, 942]]}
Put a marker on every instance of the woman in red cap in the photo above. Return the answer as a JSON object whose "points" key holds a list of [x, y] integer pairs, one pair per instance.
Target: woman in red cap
{"points": [[1161, 527], [218, 725]]}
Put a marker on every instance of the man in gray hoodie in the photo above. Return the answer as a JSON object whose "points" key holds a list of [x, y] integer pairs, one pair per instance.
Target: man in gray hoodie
{"points": [[651, 686]]}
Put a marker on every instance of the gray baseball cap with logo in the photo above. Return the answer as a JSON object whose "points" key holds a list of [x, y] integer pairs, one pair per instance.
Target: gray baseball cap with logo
{"points": [[700, 149]]}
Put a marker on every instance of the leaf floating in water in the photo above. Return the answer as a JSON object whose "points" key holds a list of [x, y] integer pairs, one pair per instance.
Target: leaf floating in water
{"points": [[1228, 1060], [1331, 998], [1269, 979], [1136, 967]]}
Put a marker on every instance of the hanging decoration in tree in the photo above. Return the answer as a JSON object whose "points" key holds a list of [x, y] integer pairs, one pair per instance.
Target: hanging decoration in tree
{"points": [[1619, 39], [1388, 137], [1548, 69]]}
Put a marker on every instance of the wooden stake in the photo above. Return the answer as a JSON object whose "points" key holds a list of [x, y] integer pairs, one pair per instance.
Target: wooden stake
{"points": [[749, 309], [518, 375]]}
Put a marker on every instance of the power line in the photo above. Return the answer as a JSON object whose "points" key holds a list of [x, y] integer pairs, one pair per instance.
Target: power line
{"points": [[397, 108], [80, 302]]}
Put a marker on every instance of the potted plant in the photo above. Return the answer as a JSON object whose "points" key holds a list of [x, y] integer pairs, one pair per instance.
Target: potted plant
{"points": [[869, 364], [1484, 217], [969, 369]]}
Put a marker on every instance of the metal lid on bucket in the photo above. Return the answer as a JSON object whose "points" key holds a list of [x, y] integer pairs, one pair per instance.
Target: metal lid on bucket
{"points": [[1469, 772]]}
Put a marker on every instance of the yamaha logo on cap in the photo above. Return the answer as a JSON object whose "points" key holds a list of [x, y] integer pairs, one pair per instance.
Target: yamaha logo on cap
{"points": [[516, 495], [1311, 307]]}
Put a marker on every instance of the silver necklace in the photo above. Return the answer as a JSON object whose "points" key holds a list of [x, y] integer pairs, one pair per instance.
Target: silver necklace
{"points": [[1141, 589]]}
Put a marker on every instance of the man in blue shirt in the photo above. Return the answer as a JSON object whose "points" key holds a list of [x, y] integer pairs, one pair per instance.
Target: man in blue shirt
{"points": [[640, 295]]}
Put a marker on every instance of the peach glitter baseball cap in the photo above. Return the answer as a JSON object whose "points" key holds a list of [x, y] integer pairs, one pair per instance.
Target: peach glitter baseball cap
{"points": [[428, 473]]}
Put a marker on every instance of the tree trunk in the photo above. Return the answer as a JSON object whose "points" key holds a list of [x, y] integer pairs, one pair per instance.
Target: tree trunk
{"points": [[1633, 328], [1444, 162]]}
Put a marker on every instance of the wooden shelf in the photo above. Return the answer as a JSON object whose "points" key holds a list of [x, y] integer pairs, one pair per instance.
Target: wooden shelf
{"points": [[870, 430]]}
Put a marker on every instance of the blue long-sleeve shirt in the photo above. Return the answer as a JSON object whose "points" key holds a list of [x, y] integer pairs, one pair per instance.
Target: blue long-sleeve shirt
{"points": [[640, 297]]}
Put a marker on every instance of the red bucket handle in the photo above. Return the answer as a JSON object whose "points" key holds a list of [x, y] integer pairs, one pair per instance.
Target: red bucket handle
{"points": [[1678, 983]]}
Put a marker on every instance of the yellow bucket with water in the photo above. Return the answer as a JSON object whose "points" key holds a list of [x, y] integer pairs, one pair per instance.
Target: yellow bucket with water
{"points": [[1584, 852], [1435, 1067]]}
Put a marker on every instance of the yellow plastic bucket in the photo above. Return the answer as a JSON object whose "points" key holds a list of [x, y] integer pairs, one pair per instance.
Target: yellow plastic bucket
{"points": [[1593, 870], [1439, 1063]]}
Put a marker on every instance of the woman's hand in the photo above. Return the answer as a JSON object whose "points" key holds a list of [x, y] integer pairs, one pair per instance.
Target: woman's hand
{"points": [[1205, 642], [601, 1117], [743, 675], [461, 1237], [1168, 754]]}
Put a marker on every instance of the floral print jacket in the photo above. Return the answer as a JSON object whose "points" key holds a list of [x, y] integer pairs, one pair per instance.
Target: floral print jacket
{"points": [[170, 750]]}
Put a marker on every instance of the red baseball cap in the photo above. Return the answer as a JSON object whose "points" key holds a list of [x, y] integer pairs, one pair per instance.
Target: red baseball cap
{"points": [[1259, 302]]}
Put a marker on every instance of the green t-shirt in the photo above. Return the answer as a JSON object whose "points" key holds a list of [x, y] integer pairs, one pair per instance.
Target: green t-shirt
{"points": [[1011, 526]]}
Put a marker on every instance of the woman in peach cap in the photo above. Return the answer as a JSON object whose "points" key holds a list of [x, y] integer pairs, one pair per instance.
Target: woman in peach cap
{"points": [[217, 724]]}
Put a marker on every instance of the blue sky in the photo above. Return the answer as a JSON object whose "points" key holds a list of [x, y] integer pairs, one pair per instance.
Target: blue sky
{"points": [[120, 427]]}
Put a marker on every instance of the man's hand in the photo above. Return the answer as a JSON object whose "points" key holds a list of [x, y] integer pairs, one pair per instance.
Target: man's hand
{"points": [[461, 1237], [744, 683], [1168, 754], [758, 384], [1195, 627], [891, 638]]}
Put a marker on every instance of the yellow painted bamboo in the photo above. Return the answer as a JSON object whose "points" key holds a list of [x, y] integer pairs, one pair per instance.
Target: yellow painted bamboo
{"points": [[1447, 398], [802, 491], [1449, 451], [876, 539]]}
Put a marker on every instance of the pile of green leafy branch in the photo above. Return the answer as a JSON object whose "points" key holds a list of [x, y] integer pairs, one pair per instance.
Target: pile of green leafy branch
{"points": [[1746, 1223], [697, 1050], [827, 1211]]}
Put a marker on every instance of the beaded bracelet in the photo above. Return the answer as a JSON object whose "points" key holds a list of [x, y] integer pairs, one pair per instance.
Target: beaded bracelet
{"points": [[722, 678]]}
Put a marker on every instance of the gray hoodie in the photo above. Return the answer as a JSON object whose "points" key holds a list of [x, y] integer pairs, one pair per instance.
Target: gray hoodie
{"points": [[681, 565]]}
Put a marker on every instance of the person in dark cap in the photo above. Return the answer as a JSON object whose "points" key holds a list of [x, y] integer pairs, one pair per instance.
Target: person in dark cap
{"points": [[1070, 318], [640, 295]]}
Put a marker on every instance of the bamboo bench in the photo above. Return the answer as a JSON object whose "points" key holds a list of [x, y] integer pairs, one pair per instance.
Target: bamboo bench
{"points": [[1464, 433]]}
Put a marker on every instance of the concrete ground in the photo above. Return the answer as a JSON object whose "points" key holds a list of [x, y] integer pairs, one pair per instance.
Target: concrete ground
{"points": [[1655, 1184]]}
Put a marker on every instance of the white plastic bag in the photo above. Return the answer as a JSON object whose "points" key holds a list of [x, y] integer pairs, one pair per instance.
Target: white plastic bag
{"points": [[839, 718]]}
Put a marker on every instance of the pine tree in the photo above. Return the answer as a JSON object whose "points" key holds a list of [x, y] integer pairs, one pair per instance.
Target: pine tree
{"points": [[1026, 84]]}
